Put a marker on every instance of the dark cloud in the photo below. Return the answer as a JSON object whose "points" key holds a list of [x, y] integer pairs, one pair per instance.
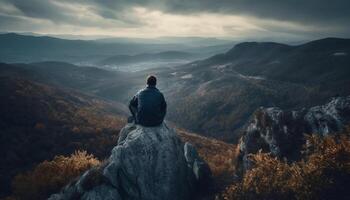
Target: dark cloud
{"points": [[13, 23], [335, 11], [40, 9], [304, 11], [57, 12], [327, 15]]}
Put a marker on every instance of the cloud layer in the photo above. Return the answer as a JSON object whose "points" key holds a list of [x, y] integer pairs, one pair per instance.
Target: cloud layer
{"points": [[152, 18]]}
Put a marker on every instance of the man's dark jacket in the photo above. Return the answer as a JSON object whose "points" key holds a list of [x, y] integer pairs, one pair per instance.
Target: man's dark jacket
{"points": [[148, 107]]}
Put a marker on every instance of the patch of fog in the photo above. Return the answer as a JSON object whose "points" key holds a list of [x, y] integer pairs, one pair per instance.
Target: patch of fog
{"points": [[203, 88], [223, 66], [135, 67], [251, 77], [340, 54], [85, 64], [187, 76]]}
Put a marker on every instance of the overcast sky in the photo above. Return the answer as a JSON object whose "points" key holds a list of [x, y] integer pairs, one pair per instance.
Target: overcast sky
{"points": [[295, 19]]}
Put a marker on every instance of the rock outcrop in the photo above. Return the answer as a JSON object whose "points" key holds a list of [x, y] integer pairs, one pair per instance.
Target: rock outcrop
{"points": [[281, 133], [200, 169], [149, 163]]}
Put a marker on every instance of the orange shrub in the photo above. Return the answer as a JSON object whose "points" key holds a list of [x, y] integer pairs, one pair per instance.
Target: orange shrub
{"points": [[50, 176], [323, 174]]}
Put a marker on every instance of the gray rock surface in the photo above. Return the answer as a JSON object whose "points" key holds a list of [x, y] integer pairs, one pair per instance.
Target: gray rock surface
{"points": [[148, 163], [281, 133], [197, 166], [329, 118]]}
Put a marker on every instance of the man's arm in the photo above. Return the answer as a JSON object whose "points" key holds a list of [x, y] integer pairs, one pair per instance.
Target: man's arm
{"points": [[133, 106], [163, 106]]}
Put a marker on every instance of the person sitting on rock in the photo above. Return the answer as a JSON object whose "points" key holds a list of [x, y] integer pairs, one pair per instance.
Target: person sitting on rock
{"points": [[148, 106]]}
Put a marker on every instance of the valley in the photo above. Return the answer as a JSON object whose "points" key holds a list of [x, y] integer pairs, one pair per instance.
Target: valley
{"points": [[216, 96], [54, 108]]}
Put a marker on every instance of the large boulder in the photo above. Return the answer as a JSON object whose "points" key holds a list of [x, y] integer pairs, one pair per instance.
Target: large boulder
{"points": [[281, 133], [148, 163]]}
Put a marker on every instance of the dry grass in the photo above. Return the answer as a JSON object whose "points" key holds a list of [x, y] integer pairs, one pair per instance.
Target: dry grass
{"points": [[220, 157], [50, 176], [323, 174]]}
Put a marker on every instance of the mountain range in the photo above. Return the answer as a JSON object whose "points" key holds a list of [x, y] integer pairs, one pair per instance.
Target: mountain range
{"points": [[29, 48], [216, 96], [60, 107], [220, 93]]}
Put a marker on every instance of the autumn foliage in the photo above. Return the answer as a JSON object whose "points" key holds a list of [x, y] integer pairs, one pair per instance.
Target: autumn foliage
{"points": [[39, 122], [50, 176], [219, 155], [324, 173]]}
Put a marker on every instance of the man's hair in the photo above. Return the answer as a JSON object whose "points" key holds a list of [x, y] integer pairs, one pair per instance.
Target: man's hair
{"points": [[151, 80]]}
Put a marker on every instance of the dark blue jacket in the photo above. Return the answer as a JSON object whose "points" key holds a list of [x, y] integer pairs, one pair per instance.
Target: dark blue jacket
{"points": [[148, 106]]}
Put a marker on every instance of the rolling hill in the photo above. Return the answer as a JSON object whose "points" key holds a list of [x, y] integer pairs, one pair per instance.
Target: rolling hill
{"points": [[216, 96], [317, 61], [28, 48], [40, 121]]}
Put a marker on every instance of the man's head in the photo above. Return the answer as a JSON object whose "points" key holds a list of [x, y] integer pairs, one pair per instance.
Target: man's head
{"points": [[151, 80]]}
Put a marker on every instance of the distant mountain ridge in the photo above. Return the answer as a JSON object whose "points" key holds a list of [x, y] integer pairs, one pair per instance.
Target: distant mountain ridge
{"points": [[28, 48], [327, 57], [21, 48], [147, 57]]}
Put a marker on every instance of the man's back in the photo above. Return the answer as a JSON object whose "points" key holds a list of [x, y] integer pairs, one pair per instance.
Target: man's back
{"points": [[150, 105]]}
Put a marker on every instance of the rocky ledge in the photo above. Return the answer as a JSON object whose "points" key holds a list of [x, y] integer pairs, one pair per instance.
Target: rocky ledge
{"points": [[148, 163], [281, 133]]}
